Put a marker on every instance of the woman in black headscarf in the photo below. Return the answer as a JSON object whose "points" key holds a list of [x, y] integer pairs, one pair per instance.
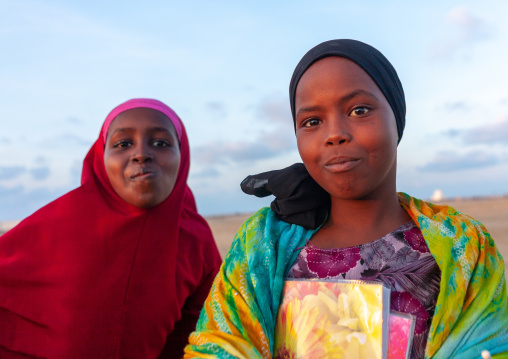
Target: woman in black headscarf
{"points": [[299, 199], [338, 216]]}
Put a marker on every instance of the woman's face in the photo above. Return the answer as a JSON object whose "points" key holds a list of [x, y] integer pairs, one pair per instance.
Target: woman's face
{"points": [[346, 130], [142, 156]]}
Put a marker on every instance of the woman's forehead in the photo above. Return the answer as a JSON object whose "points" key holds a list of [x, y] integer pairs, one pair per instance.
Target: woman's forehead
{"points": [[141, 119], [336, 73], [143, 103]]}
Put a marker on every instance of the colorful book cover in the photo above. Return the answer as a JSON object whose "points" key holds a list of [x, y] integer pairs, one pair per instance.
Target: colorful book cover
{"points": [[332, 319], [401, 331]]}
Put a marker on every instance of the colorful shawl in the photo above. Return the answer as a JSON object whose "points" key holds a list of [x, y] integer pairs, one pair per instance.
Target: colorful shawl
{"points": [[238, 319]]}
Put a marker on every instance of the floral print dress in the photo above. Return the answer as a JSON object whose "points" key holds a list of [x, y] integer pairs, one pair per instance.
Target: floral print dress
{"points": [[400, 259]]}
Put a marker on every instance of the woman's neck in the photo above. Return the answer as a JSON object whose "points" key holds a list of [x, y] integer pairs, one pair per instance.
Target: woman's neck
{"points": [[354, 222]]}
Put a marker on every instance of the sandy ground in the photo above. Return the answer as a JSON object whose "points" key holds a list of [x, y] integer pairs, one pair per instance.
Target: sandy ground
{"points": [[493, 212]]}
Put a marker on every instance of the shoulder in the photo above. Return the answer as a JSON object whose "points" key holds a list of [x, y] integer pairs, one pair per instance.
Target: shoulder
{"points": [[444, 227], [53, 214], [260, 220], [264, 225], [252, 231], [42, 233], [451, 235], [263, 235], [449, 219]]}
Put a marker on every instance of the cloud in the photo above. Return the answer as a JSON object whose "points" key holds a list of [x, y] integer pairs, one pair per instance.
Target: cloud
{"points": [[452, 161], [457, 106], [275, 110], [40, 173], [461, 17], [74, 121], [468, 29], [75, 172], [65, 140], [452, 133], [487, 134], [11, 172], [226, 152], [276, 137], [45, 19], [493, 133], [18, 202], [207, 172], [217, 108], [40, 160]]}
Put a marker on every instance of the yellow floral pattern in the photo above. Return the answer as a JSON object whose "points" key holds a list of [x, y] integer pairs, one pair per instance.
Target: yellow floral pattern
{"points": [[330, 320]]}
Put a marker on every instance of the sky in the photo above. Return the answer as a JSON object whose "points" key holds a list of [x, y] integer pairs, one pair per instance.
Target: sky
{"points": [[225, 67]]}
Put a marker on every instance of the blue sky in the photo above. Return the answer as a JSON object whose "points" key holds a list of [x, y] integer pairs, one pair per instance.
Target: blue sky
{"points": [[225, 67]]}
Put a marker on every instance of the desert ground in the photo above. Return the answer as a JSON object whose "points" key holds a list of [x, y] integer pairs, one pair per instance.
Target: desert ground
{"points": [[492, 211]]}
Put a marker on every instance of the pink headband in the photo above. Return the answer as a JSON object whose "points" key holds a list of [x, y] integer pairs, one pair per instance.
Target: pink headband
{"points": [[143, 103]]}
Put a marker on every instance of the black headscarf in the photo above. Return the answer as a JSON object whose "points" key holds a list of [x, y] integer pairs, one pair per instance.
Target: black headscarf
{"points": [[370, 60], [298, 198]]}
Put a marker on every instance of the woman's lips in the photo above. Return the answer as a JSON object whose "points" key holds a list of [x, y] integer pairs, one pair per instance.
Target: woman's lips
{"points": [[342, 164], [143, 175]]}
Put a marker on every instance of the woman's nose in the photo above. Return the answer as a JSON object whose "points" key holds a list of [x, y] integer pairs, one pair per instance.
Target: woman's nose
{"points": [[142, 154], [338, 132]]}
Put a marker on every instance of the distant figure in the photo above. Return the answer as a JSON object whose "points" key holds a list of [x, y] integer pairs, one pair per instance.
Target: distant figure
{"points": [[120, 266], [437, 196], [338, 216]]}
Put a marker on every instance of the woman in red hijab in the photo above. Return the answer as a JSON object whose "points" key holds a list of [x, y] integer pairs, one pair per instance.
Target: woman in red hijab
{"points": [[119, 267]]}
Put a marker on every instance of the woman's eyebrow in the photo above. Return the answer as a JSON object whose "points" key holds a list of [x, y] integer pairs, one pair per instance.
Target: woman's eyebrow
{"points": [[122, 129], [356, 93], [345, 98], [307, 109], [160, 129], [130, 129]]}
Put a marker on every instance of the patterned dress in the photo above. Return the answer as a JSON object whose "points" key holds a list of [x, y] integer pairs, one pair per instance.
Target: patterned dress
{"points": [[400, 259]]}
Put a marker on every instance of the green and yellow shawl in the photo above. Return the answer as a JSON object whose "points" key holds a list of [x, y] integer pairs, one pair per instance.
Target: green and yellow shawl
{"points": [[238, 319]]}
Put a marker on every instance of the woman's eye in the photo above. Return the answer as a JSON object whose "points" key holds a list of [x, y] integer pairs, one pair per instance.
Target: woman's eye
{"points": [[122, 144], [161, 143], [311, 122], [359, 111]]}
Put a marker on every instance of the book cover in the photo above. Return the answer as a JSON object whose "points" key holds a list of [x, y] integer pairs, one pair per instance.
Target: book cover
{"points": [[401, 331], [333, 319]]}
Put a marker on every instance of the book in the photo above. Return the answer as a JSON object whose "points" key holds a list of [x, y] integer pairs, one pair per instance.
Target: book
{"points": [[401, 331], [333, 319]]}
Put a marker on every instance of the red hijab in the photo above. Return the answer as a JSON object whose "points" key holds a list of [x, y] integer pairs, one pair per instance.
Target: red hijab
{"points": [[91, 276]]}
